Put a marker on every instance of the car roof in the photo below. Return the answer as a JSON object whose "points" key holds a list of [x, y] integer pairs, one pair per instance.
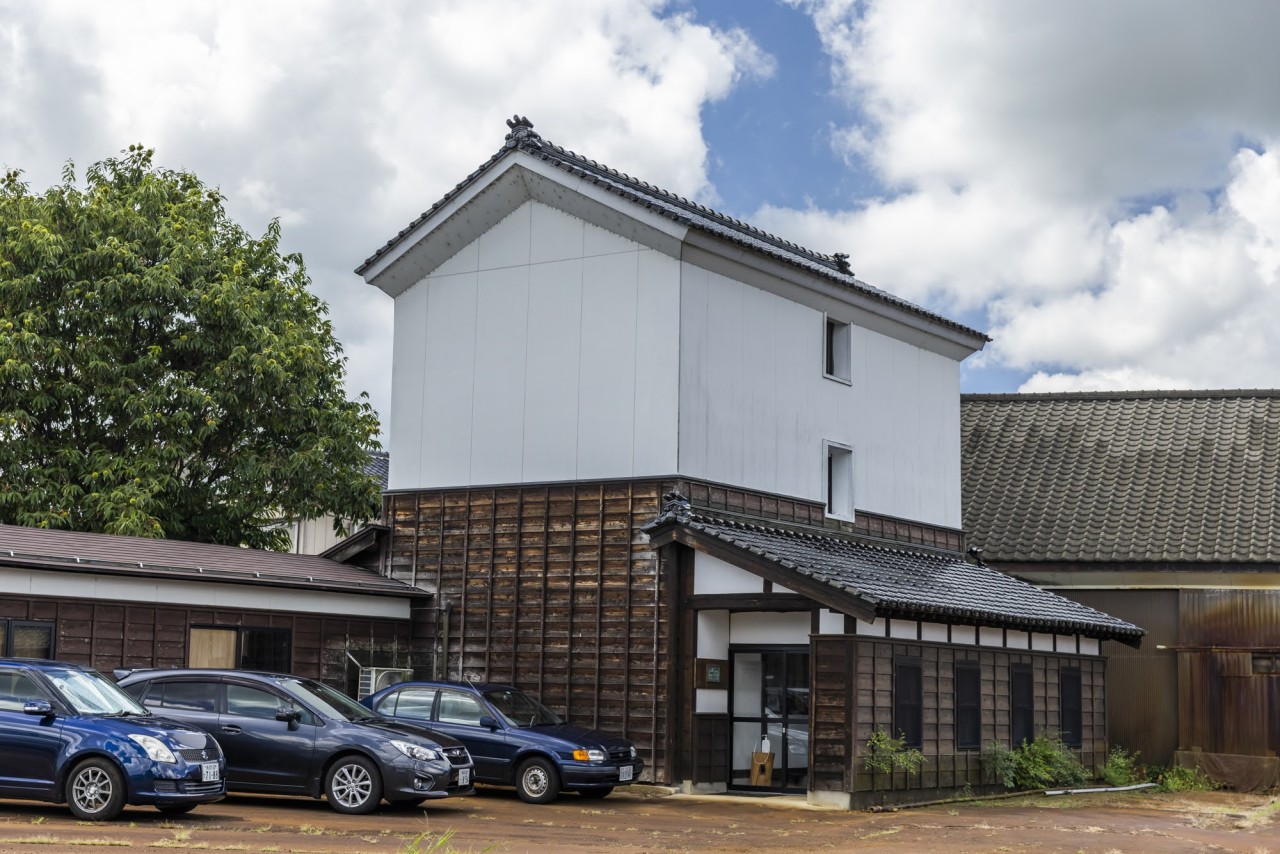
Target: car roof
{"points": [[42, 664], [158, 672], [478, 687]]}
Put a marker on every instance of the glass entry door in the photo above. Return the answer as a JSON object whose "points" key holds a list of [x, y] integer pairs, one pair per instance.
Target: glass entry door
{"points": [[769, 709]]}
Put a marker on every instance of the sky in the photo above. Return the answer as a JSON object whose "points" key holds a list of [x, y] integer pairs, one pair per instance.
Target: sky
{"points": [[1094, 184]]}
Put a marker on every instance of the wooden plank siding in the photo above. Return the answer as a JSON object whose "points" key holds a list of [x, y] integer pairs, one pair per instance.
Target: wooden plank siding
{"points": [[842, 721], [553, 589], [107, 636]]}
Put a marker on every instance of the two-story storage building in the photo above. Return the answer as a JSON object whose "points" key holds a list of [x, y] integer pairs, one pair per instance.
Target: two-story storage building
{"points": [[572, 345]]}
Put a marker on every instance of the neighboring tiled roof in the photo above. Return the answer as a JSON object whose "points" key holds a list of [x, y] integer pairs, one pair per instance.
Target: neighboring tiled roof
{"points": [[379, 465], [676, 208], [1160, 476], [905, 583], [74, 551]]}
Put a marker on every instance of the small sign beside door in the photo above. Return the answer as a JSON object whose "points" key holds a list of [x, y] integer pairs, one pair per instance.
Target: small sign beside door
{"points": [[711, 673]]}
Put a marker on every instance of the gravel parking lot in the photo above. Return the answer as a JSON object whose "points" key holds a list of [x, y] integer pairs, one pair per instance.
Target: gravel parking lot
{"points": [[642, 819]]}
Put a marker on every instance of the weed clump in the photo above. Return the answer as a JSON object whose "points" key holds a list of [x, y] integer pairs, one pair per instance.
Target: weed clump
{"points": [[1040, 764]]}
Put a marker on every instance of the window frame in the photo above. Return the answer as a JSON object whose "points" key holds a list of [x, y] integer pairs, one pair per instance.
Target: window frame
{"points": [[1075, 710], [1019, 673], [837, 458], [240, 632], [912, 735], [8, 624], [837, 350], [963, 711]]}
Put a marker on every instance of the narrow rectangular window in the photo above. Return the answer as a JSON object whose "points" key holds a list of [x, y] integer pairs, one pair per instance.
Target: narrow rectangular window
{"points": [[1022, 704], [265, 649], [1072, 708], [908, 701], [30, 639], [839, 477], [968, 705], [836, 351]]}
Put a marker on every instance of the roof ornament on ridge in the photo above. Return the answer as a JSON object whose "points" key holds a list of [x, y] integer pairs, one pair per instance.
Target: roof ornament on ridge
{"points": [[842, 263], [521, 130]]}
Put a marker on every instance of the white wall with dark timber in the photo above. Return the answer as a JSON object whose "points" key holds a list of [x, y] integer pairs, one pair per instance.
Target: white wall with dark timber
{"points": [[546, 349], [755, 407]]}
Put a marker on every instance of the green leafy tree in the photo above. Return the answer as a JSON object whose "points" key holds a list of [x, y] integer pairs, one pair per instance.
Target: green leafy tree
{"points": [[162, 372]]}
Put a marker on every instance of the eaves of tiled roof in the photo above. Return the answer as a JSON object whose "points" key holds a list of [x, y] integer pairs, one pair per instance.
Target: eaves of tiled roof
{"points": [[675, 208], [895, 582], [1152, 477], [79, 552]]}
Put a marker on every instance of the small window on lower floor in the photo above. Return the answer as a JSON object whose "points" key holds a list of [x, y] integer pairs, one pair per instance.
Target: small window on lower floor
{"points": [[968, 705], [839, 480], [245, 647], [1022, 705], [26, 639], [908, 701], [1072, 706]]}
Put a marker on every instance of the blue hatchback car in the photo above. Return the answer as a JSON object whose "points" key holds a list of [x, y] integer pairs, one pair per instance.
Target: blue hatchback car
{"points": [[69, 735], [513, 739]]}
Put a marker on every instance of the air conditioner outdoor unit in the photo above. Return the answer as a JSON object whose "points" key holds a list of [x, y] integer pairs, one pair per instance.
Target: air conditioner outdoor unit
{"points": [[374, 679]]}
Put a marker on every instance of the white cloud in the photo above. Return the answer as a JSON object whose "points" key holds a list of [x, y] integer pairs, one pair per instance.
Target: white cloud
{"points": [[347, 119], [1087, 171]]}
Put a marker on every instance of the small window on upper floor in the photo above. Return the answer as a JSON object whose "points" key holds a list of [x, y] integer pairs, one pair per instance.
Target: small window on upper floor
{"points": [[836, 353], [839, 480]]}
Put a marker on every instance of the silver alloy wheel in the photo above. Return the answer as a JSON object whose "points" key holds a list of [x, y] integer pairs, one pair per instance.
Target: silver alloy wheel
{"points": [[535, 780], [352, 785], [91, 789]]}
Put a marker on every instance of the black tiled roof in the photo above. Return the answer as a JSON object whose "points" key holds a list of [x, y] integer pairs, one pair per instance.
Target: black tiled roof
{"points": [[379, 465], [76, 551], [1154, 476], [905, 583], [522, 137]]}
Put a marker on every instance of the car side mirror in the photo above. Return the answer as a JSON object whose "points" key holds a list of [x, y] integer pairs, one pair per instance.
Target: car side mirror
{"points": [[488, 722], [288, 714], [43, 708]]}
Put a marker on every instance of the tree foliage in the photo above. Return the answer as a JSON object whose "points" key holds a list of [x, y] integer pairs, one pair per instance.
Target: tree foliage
{"points": [[162, 372]]}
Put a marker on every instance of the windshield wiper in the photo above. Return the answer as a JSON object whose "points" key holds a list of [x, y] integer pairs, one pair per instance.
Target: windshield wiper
{"points": [[121, 713]]}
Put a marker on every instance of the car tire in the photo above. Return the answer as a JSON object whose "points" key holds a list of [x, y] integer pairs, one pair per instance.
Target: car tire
{"points": [[596, 792], [537, 781], [175, 809], [353, 785], [95, 790]]}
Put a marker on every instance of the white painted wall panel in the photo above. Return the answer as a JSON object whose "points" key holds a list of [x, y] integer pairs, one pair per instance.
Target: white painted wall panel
{"points": [[713, 575], [755, 406], [553, 353], [502, 317], [408, 361], [548, 350], [767, 627], [607, 370], [444, 433]]}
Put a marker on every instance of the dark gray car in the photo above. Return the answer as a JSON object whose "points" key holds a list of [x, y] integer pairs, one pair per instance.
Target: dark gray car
{"points": [[288, 735]]}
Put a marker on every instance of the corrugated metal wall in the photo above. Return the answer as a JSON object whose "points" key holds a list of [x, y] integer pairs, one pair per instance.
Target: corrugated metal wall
{"points": [[1142, 684]]}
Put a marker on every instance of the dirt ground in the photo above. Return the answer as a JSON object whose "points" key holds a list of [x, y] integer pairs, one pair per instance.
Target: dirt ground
{"points": [[642, 820]]}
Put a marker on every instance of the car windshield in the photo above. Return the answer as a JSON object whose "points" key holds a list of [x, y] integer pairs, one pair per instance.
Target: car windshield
{"points": [[521, 710], [88, 692], [330, 703]]}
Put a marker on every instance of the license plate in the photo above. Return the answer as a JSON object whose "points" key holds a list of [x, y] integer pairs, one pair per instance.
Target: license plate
{"points": [[624, 773], [209, 772], [464, 776]]}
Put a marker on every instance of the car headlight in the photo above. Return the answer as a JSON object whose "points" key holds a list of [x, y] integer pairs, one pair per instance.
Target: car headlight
{"points": [[416, 751], [633, 751], [583, 755], [155, 748]]}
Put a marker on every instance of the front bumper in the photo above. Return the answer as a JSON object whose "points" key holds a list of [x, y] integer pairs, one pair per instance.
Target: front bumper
{"points": [[406, 778], [176, 784], [590, 775]]}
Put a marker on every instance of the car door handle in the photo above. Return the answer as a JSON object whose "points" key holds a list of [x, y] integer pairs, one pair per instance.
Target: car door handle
{"points": [[231, 730]]}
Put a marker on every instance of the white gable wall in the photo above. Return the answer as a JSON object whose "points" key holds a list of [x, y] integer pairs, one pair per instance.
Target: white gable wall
{"points": [[530, 355]]}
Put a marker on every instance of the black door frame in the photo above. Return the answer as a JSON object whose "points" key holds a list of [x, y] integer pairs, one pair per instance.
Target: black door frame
{"points": [[735, 717]]}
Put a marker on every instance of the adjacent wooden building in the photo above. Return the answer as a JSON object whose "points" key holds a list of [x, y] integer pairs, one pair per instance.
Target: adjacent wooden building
{"points": [[1162, 507], [693, 483]]}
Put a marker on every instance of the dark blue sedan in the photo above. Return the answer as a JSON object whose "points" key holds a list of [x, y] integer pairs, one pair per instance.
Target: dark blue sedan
{"points": [[69, 735], [513, 739]]}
